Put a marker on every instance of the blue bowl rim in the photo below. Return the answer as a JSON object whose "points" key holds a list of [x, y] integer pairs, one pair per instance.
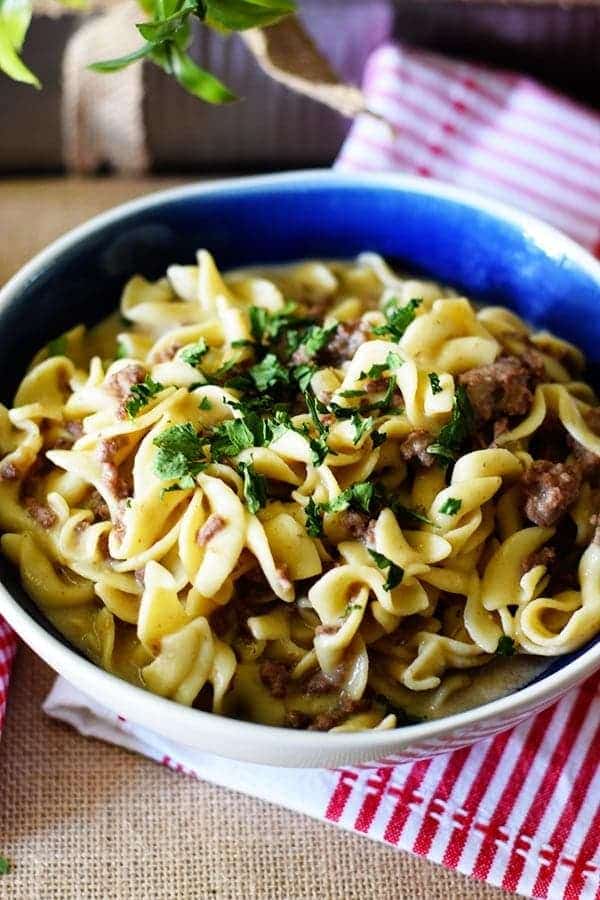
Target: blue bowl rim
{"points": [[538, 693]]}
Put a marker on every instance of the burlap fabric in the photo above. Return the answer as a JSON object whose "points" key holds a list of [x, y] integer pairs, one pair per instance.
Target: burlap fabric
{"points": [[81, 820]]}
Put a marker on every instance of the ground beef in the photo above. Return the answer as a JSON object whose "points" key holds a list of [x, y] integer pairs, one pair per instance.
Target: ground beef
{"points": [[325, 682], [545, 556], [118, 486], [503, 388], [549, 489], [376, 385], [74, 427], [108, 449], [357, 523], [327, 629], [167, 354], [120, 384], [8, 472], [212, 526], [296, 719], [98, 506], [346, 707], [415, 448], [275, 677], [42, 514], [345, 342]]}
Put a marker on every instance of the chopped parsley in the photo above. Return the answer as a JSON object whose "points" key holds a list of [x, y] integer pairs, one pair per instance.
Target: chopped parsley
{"points": [[267, 326], [352, 607], [456, 431], [302, 375], [255, 487], [392, 361], [121, 350], [234, 435], [242, 342], [506, 646], [398, 318], [319, 449], [409, 512], [59, 346], [4, 866], [205, 404], [450, 506], [141, 394], [269, 373], [314, 519], [434, 381], [179, 455], [194, 354], [361, 427], [314, 339], [358, 496], [395, 573]]}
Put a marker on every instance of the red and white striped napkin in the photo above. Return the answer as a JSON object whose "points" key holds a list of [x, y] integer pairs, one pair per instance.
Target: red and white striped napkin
{"points": [[521, 810]]}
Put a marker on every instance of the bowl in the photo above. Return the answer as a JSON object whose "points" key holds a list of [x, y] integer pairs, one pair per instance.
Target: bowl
{"points": [[492, 252]]}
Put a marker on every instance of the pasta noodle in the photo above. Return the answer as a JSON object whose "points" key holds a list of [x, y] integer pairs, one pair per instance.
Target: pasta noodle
{"points": [[320, 495]]}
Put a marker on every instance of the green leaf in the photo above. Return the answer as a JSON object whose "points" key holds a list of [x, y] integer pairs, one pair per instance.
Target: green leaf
{"points": [[141, 394], [255, 487], [238, 15], [195, 353], [15, 17], [395, 573], [314, 519], [319, 450], [4, 866], [408, 512], [10, 62], [358, 496], [120, 62], [179, 454], [434, 381], [231, 437], [165, 29], [361, 427], [457, 430], [450, 506], [121, 350], [197, 81], [398, 318], [269, 373]]}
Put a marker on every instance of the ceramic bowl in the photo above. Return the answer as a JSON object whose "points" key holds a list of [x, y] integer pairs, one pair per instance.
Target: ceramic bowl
{"points": [[491, 252]]}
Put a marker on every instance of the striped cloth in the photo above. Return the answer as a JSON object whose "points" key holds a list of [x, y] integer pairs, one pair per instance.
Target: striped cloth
{"points": [[521, 810]]}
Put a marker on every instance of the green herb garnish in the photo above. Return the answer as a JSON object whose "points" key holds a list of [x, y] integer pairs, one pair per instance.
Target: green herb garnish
{"points": [[358, 496], [456, 431], [121, 350], [4, 866], [395, 573], [193, 354], [398, 318], [179, 455], [205, 404], [409, 512], [434, 381], [269, 373], [450, 506], [361, 427], [255, 487], [314, 519], [141, 394]]}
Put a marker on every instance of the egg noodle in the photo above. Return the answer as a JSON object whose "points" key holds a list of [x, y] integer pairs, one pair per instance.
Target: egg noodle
{"points": [[315, 495]]}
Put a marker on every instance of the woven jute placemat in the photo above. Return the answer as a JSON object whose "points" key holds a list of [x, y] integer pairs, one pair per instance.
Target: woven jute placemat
{"points": [[81, 820]]}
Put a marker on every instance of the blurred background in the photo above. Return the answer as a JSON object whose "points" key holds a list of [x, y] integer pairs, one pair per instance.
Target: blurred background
{"points": [[273, 128]]}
